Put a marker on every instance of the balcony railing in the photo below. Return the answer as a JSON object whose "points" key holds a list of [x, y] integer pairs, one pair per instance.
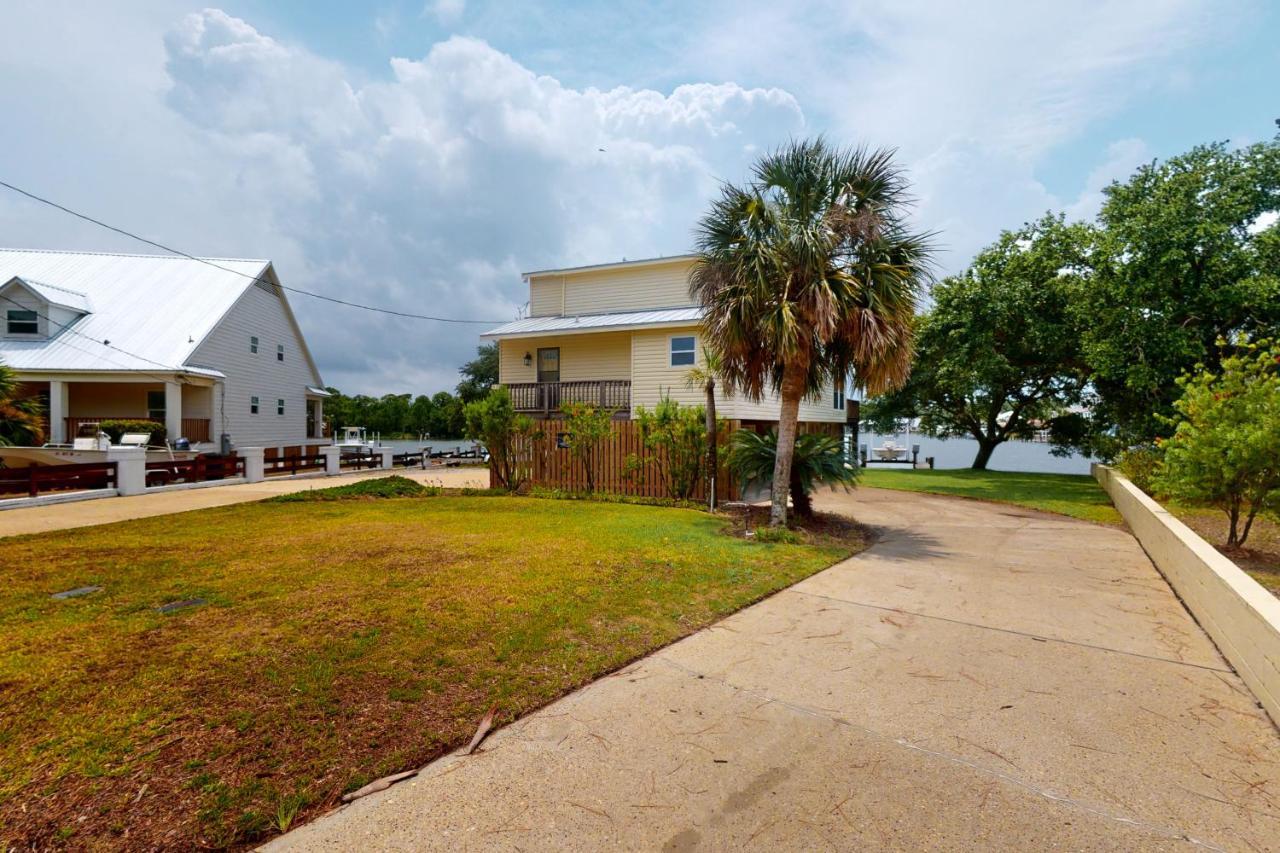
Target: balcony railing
{"points": [[193, 429], [546, 398]]}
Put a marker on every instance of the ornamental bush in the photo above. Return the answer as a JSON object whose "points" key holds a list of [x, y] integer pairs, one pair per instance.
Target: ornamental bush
{"points": [[117, 427], [1225, 449]]}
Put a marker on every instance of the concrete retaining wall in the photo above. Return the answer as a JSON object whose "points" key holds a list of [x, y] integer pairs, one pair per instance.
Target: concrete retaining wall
{"points": [[1242, 618]]}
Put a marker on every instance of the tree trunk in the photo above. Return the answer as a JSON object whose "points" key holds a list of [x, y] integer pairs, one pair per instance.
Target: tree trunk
{"points": [[792, 390], [986, 446], [799, 498], [713, 464]]}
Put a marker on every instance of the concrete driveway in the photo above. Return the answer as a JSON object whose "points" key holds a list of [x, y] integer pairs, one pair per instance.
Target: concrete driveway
{"points": [[983, 677]]}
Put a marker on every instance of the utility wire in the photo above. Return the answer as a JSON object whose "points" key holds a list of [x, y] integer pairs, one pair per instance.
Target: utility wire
{"points": [[179, 253]]}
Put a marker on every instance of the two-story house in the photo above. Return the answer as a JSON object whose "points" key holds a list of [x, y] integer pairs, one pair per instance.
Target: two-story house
{"points": [[623, 335], [207, 349]]}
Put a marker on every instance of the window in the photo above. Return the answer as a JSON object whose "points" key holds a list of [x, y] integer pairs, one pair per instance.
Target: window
{"points": [[837, 401], [280, 352], [682, 351], [155, 405], [253, 405], [279, 407], [253, 344], [23, 322]]}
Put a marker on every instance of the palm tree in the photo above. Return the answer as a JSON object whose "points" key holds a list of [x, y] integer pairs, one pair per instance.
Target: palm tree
{"points": [[21, 420], [807, 275], [705, 376], [818, 460]]}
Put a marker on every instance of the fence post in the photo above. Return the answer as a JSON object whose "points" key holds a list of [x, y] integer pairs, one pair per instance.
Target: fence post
{"points": [[131, 469], [388, 456], [332, 459], [254, 467]]}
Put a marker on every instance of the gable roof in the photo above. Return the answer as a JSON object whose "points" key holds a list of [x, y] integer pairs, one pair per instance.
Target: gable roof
{"points": [[52, 294], [154, 309]]}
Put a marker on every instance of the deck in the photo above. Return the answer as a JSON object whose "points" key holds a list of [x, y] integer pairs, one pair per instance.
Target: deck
{"points": [[546, 398]]}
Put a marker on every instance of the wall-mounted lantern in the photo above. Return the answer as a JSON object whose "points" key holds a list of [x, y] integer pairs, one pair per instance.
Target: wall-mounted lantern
{"points": [[528, 360]]}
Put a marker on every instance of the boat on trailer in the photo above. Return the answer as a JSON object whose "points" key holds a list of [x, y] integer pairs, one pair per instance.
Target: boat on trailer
{"points": [[89, 445]]}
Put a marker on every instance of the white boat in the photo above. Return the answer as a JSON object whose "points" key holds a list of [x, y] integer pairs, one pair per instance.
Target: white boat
{"points": [[357, 440], [890, 451], [89, 445]]}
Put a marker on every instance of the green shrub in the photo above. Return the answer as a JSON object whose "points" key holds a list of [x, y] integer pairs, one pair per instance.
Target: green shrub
{"points": [[554, 494], [586, 426], [778, 535], [818, 460], [394, 486], [117, 427], [676, 438], [1223, 451], [509, 437], [1139, 465]]}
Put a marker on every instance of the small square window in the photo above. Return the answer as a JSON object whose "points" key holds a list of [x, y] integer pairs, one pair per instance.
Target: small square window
{"points": [[280, 352], [253, 405], [253, 344], [279, 407], [22, 322], [682, 350]]}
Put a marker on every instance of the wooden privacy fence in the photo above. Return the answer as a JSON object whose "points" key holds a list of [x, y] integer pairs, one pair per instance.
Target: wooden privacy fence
{"points": [[557, 467], [38, 478]]}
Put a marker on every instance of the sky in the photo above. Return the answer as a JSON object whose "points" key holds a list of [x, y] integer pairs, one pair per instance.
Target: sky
{"points": [[420, 156]]}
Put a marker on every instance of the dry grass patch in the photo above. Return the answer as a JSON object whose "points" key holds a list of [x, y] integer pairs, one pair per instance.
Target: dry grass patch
{"points": [[336, 642]]}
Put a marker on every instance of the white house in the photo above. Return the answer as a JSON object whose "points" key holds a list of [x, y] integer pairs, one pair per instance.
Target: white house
{"points": [[210, 351]]}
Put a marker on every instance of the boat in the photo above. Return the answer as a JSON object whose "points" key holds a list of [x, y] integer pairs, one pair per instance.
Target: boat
{"points": [[89, 445], [890, 451], [358, 440]]}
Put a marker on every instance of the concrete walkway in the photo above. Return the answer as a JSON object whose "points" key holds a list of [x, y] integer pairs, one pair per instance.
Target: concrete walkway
{"points": [[983, 677], [42, 519]]}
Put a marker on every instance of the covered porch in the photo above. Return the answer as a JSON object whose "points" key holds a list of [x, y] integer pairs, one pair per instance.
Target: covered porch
{"points": [[186, 406]]}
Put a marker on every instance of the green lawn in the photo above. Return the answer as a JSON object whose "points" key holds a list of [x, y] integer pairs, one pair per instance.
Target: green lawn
{"points": [[1076, 495], [339, 641]]}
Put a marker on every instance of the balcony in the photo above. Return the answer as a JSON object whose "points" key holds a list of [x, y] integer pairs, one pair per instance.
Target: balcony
{"points": [[546, 398]]}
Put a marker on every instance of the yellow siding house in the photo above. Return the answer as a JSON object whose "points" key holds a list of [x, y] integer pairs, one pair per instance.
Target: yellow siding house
{"points": [[621, 335]]}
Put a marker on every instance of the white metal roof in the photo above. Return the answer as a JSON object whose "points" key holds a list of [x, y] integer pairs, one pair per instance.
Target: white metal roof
{"points": [[154, 310], [640, 262], [55, 295], [537, 326]]}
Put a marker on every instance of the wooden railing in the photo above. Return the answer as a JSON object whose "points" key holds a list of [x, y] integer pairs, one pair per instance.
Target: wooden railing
{"points": [[293, 463], [195, 470], [37, 478], [194, 429], [546, 398]]}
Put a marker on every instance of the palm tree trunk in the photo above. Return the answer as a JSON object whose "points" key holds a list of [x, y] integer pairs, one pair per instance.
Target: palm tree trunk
{"points": [[713, 465], [792, 390]]}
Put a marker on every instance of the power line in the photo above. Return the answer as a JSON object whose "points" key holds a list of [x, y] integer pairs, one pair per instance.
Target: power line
{"points": [[408, 314]]}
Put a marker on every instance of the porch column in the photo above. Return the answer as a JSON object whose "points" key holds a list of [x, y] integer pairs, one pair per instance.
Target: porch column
{"points": [[59, 404], [172, 410], [319, 418]]}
